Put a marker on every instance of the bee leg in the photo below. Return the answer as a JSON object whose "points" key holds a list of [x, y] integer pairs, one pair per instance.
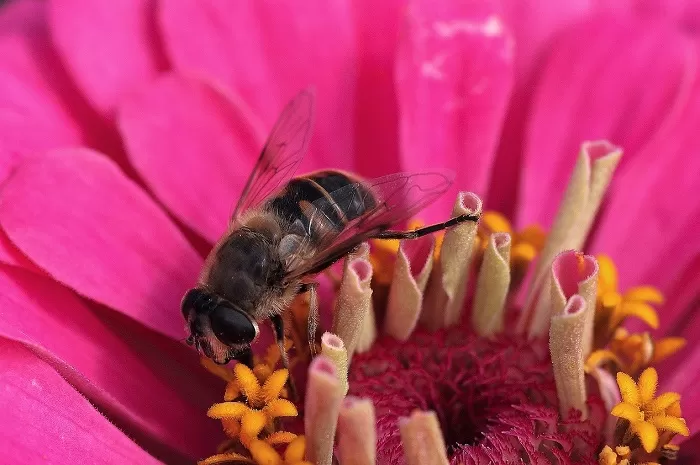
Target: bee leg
{"points": [[313, 314], [416, 233], [313, 317], [278, 326]]}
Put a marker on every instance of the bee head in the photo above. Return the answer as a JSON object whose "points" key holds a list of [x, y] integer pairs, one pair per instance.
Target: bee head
{"points": [[213, 321]]}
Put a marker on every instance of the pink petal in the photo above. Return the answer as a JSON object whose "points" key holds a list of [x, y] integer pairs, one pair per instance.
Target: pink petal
{"points": [[680, 317], [453, 75], [376, 117], [35, 116], [589, 90], [157, 402], [684, 13], [46, 421], [649, 226], [194, 146], [534, 24], [110, 47], [11, 255], [681, 373], [267, 52], [75, 215]]}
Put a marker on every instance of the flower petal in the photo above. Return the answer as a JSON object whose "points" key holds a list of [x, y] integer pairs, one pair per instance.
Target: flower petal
{"points": [[194, 147], [664, 401], [648, 381], [682, 376], [109, 47], [673, 424], [33, 88], [648, 294], [285, 46], [46, 421], [11, 255], [655, 210], [74, 214], [227, 410], [453, 72], [280, 408], [647, 434], [580, 96], [628, 389], [533, 24], [274, 385], [376, 118], [152, 398]]}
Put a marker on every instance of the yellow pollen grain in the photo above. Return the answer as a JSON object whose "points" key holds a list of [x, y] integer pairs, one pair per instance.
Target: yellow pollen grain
{"points": [[607, 456]]}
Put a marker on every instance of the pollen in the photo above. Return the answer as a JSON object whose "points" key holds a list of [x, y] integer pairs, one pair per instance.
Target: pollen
{"points": [[633, 352], [254, 400], [645, 419], [614, 307], [526, 244]]}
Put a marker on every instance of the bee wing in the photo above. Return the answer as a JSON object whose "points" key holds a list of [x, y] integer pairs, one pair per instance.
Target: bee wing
{"points": [[283, 151], [386, 201]]}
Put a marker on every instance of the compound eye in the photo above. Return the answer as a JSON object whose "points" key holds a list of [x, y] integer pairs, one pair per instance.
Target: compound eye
{"points": [[231, 326]]}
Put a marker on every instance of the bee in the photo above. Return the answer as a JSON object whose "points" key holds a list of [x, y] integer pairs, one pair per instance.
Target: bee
{"points": [[285, 230]]}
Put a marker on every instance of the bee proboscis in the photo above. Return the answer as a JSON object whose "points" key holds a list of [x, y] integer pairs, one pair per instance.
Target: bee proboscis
{"points": [[285, 230]]}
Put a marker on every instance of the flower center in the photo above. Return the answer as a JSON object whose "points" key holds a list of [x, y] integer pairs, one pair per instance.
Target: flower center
{"points": [[483, 391]]}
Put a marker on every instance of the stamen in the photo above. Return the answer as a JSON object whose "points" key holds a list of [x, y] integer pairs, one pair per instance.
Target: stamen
{"points": [[252, 404], [492, 286], [566, 343], [447, 286], [422, 439], [323, 397], [383, 254], [333, 348], [572, 273], [653, 420], [353, 315], [357, 435], [411, 272], [589, 180]]}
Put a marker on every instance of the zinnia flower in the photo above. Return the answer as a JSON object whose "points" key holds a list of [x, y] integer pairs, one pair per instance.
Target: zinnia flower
{"points": [[127, 130]]}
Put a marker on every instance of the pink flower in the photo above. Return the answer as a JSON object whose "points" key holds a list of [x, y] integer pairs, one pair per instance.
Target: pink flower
{"points": [[127, 130]]}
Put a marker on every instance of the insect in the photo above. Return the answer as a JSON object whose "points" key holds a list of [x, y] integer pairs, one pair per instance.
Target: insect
{"points": [[285, 230]]}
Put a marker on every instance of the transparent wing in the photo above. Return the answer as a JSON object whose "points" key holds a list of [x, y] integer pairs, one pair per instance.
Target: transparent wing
{"points": [[285, 148], [386, 201]]}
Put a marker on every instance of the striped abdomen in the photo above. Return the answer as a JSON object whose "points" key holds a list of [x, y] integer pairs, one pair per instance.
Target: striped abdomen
{"points": [[340, 197]]}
